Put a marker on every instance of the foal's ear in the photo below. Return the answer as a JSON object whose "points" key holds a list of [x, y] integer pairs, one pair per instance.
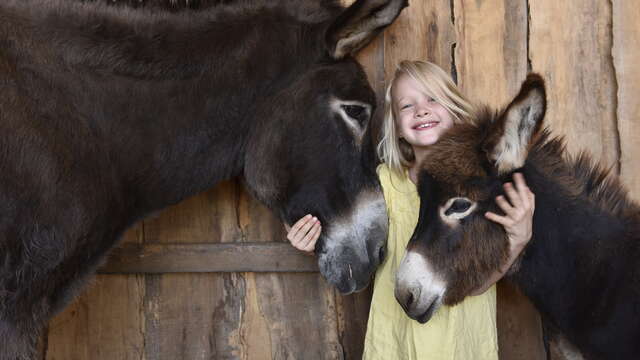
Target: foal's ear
{"points": [[359, 24], [519, 122]]}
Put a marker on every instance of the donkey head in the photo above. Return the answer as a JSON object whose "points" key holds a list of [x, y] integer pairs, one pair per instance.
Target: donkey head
{"points": [[454, 248], [312, 153]]}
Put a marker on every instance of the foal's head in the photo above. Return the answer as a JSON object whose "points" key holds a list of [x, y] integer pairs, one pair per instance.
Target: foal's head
{"points": [[454, 248]]}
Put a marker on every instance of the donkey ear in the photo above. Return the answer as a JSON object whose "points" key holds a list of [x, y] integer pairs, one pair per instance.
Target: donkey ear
{"points": [[518, 124], [359, 24]]}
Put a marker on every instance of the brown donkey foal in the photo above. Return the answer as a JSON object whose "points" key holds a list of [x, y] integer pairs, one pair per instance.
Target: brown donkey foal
{"points": [[579, 269]]}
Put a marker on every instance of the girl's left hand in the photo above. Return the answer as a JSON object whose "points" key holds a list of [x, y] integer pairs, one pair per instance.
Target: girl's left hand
{"points": [[518, 218]]}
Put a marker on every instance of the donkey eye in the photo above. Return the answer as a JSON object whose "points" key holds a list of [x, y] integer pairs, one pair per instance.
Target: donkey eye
{"points": [[458, 206], [356, 112]]}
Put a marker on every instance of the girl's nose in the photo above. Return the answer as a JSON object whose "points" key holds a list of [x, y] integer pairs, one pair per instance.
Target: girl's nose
{"points": [[422, 112]]}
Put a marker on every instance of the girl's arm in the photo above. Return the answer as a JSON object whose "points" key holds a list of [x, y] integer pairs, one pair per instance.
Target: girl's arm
{"points": [[304, 233], [517, 221]]}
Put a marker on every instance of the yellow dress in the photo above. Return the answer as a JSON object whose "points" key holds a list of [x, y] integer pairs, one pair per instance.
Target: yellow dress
{"points": [[466, 331]]}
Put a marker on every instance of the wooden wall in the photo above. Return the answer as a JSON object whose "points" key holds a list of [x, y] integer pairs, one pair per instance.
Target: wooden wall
{"points": [[172, 291]]}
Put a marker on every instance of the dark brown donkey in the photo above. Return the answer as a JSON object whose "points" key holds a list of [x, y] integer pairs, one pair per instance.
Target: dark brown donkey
{"points": [[580, 268], [110, 113]]}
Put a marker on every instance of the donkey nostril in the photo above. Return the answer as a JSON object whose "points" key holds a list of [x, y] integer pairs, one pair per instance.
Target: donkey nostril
{"points": [[409, 300], [381, 254]]}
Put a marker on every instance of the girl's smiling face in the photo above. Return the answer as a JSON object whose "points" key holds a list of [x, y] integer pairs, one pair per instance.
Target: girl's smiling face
{"points": [[420, 119]]}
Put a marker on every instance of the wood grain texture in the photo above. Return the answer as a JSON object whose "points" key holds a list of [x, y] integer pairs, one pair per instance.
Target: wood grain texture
{"points": [[224, 257], [626, 59], [424, 31], [570, 45], [491, 51]]}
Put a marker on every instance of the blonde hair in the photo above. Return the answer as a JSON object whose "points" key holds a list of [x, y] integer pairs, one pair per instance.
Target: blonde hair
{"points": [[396, 152]]}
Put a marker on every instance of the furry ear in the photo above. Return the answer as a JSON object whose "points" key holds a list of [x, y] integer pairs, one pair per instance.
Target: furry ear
{"points": [[359, 24], [518, 124]]}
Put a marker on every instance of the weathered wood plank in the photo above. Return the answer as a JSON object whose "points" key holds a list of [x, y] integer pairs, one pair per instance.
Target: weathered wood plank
{"points": [[212, 257], [301, 315], [626, 59], [491, 51], [570, 45], [201, 319], [424, 31]]}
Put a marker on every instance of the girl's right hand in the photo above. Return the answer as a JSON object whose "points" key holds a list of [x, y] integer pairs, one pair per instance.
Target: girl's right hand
{"points": [[304, 233]]}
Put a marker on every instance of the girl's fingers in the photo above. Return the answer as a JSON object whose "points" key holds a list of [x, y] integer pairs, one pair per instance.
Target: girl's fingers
{"points": [[313, 236], [504, 205], [308, 237], [294, 229], [502, 220], [514, 197], [532, 199], [297, 230], [523, 190], [304, 230]]}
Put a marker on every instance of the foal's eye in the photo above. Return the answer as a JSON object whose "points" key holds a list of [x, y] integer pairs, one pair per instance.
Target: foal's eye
{"points": [[356, 112], [457, 209], [458, 206]]}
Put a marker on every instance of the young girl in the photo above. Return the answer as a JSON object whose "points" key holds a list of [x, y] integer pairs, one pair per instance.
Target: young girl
{"points": [[421, 103]]}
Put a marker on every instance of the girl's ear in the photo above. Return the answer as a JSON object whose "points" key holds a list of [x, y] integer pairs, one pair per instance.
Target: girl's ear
{"points": [[359, 24], [508, 143]]}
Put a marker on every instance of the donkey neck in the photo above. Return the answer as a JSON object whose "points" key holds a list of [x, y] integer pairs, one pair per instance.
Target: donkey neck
{"points": [[575, 251]]}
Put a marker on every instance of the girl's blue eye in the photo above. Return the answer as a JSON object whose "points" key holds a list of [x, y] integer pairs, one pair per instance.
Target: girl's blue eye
{"points": [[430, 99], [405, 106]]}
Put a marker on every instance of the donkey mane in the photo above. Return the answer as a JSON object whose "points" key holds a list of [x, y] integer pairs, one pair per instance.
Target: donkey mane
{"points": [[160, 44], [582, 176], [212, 10]]}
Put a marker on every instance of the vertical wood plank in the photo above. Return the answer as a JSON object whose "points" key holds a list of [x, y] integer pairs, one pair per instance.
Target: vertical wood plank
{"points": [[626, 59], [424, 31], [570, 45], [491, 53], [491, 60]]}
